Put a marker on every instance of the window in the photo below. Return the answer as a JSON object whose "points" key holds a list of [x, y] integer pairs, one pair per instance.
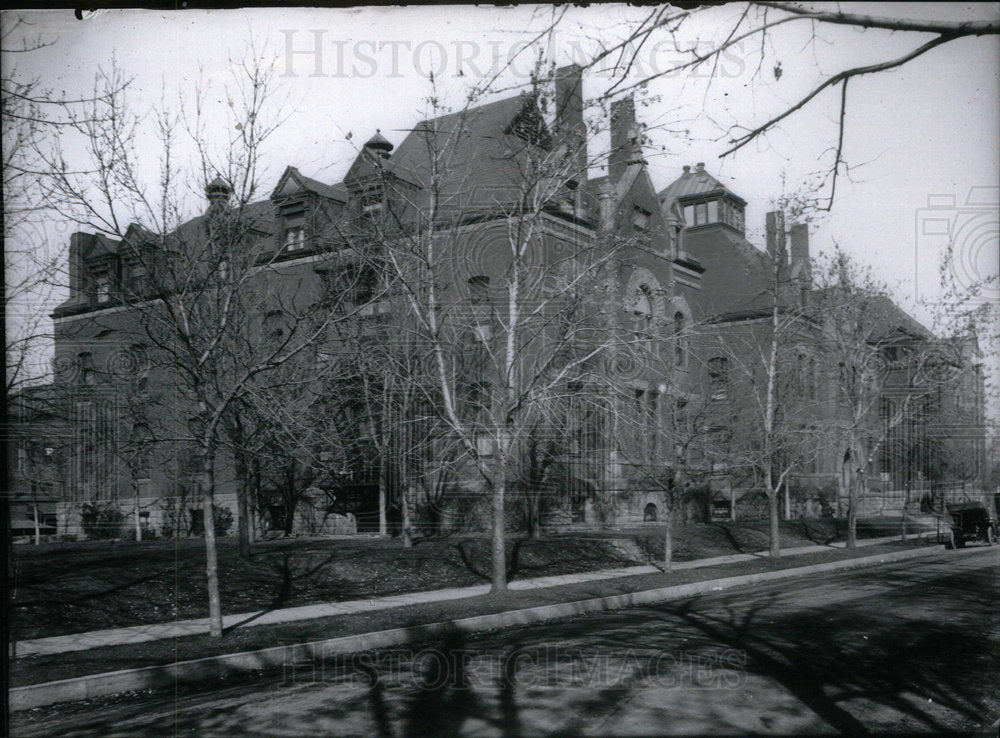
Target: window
{"points": [[273, 327], [103, 287], [294, 231], [371, 202], [718, 375], [640, 219], [681, 429], [680, 345], [642, 313], [484, 445], [364, 284], [475, 397], [85, 364], [479, 289], [646, 409], [713, 211], [138, 279], [137, 365], [653, 430], [295, 238]]}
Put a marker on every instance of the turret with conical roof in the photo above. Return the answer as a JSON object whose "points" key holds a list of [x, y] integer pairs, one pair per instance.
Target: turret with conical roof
{"points": [[218, 192], [379, 144]]}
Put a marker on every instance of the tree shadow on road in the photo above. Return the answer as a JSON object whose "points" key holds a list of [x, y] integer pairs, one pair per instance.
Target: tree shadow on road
{"points": [[832, 659]]}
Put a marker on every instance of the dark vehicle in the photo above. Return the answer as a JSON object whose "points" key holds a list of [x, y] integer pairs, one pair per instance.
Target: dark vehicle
{"points": [[970, 521]]}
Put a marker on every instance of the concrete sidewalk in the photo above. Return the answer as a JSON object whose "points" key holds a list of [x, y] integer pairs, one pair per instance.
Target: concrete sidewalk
{"points": [[181, 628]]}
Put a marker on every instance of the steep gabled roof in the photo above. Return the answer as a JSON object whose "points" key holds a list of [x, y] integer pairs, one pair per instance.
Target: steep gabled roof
{"points": [[292, 182], [480, 154], [99, 245], [889, 321], [737, 276], [261, 216]]}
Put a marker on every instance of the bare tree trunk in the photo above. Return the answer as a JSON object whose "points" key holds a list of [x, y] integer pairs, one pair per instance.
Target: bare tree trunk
{"points": [[852, 512], [902, 516], [138, 518], [772, 500], [253, 499], [404, 503], [38, 529], [668, 536], [499, 551], [211, 554], [535, 517], [788, 502], [775, 532], [243, 513], [383, 528], [732, 503]]}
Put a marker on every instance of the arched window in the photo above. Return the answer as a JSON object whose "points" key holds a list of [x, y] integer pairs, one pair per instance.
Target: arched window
{"points": [[642, 312], [85, 362], [680, 341]]}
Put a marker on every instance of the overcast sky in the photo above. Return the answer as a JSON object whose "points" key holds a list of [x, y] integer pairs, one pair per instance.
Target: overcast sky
{"points": [[927, 133]]}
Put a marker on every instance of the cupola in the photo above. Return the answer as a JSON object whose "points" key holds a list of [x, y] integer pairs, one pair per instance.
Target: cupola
{"points": [[379, 145], [218, 192]]}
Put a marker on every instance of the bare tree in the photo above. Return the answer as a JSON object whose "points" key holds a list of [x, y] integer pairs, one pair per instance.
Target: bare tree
{"points": [[209, 298], [505, 298], [892, 375], [31, 115], [704, 34]]}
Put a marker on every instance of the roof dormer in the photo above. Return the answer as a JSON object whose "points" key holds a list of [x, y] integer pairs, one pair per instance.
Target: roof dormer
{"points": [[704, 201]]}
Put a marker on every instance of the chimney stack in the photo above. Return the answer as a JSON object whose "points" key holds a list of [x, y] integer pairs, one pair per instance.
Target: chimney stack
{"points": [[798, 236], [623, 130], [775, 226], [569, 112], [77, 242]]}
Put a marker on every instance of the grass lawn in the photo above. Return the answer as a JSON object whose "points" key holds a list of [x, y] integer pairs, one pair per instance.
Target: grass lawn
{"points": [[63, 588], [37, 669]]}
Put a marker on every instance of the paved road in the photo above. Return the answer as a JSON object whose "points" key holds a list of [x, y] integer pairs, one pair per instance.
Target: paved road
{"points": [[912, 647]]}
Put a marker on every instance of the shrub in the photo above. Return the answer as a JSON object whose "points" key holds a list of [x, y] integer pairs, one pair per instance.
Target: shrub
{"points": [[169, 527], [148, 534], [101, 522], [753, 506], [223, 520]]}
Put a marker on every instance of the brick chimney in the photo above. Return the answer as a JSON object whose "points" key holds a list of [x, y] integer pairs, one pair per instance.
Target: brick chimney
{"points": [[775, 226], [623, 131], [77, 242], [569, 123], [798, 237], [569, 98]]}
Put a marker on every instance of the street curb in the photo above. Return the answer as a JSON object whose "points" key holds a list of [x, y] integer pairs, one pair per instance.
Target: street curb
{"points": [[219, 667]]}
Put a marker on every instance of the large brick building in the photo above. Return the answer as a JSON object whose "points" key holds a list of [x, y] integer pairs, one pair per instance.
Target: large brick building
{"points": [[670, 275]]}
